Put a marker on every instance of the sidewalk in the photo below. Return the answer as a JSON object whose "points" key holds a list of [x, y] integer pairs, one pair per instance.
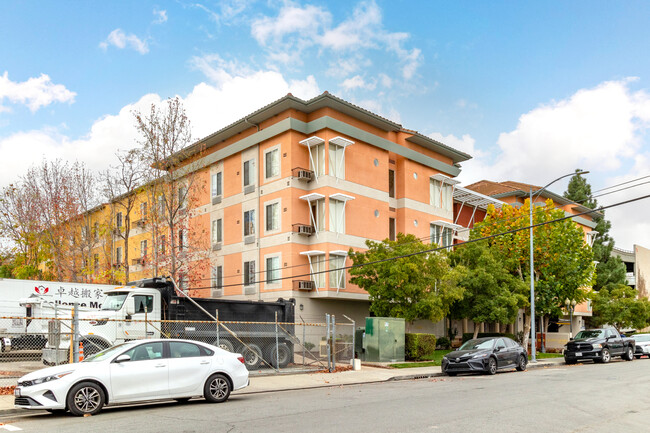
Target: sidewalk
{"points": [[368, 374]]}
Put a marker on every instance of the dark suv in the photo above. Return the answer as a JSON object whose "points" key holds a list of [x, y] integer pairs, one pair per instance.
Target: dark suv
{"points": [[598, 345]]}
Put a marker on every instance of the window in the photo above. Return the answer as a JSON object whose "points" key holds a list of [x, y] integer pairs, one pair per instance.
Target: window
{"points": [[500, 344], [337, 216], [318, 214], [272, 163], [85, 233], [161, 205], [440, 194], [143, 248], [317, 269], [96, 262], [391, 183], [182, 282], [162, 244], [337, 277], [317, 160], [391, 229], [249, 173], [217, 277], [272, 217], [272, 270], [118, 255], [337, 161], [146, 352], [249, 222], [249, 273], [216, 184], [179, 349], [217, 233], [182, 197], [181, 240], [96, 231], [143, 303], [118, 220], [143, 209], [442, 236]]}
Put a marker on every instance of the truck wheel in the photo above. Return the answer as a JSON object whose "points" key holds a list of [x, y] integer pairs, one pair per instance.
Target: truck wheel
{"points": [[281, 353], [605, 356], [252, 356], [629, 354], [225, 345]]}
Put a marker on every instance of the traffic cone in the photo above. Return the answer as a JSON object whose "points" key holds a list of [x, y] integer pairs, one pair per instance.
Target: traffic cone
{"points": [[81, 351]]}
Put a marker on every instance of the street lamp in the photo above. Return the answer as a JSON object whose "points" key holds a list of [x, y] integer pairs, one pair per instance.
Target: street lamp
{"points": [[570, 306], [533, 334]]}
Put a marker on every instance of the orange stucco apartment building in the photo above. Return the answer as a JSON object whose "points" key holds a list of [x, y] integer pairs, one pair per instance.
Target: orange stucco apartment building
{"points": [[293, 186]]}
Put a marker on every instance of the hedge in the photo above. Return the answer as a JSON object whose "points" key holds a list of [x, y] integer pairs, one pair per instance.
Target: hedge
{"points": [[417, 346]]}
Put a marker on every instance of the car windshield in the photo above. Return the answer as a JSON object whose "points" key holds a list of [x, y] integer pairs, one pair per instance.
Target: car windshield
{"points": [[114, 301], [478, 344], [106, 353], [595, 333], [641, 337]]}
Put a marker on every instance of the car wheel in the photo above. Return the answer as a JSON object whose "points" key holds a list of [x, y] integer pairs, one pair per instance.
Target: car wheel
{"points": [[629, 354], [523, 362], [569, 361], [225, 345], [605, 356], [252, 356], [492, 366], [281, 353], [85, 398], [216, 388]]}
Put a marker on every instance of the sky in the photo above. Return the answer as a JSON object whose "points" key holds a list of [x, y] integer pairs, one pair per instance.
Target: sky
{"points": [[532, 90]]}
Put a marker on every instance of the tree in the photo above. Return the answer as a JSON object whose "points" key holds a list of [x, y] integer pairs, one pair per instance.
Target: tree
{"points": [[491, 293], [610, 270], [176, 186], [562, 260], [121, 188], [419, 286], [620, 307]]}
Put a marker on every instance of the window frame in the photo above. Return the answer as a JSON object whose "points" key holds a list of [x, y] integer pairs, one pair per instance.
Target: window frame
{"points": [[272, 167]]}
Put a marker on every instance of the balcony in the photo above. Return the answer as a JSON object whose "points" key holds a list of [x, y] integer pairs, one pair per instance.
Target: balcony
{"points": [[303, 229], [142, 223], [138, 261], [307, 285], [302, 174]]}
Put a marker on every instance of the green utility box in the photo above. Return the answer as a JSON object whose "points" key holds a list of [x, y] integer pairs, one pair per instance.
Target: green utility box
{"points": [[384, 339]]}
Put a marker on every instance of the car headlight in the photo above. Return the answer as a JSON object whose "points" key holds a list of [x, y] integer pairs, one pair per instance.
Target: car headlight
{"points": [[50, 378], [597, 345], [480, 356]]}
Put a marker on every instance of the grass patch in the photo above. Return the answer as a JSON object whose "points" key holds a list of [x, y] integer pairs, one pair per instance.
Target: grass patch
{"points": [[540, 355], [432, 360]]}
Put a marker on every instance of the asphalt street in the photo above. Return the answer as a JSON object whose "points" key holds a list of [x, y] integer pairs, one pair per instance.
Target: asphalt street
{"points": [[581, 398]]}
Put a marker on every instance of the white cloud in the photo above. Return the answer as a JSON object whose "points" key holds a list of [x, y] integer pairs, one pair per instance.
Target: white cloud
{"points": [[227, 10], [465, 143], [121, 40], [161, 16], [297, 28], [209, 107], [34, 93], [357, 82]]}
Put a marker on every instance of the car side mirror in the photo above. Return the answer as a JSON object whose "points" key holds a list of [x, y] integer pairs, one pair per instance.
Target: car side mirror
{"points": [[571, 339], [122, 358], [130, 306], [497, 349]]}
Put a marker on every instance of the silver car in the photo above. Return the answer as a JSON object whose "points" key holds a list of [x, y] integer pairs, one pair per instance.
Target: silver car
{"points": [[642, 348]]}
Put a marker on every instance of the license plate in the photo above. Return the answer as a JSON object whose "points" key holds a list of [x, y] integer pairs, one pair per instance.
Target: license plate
{"points": [[17, 392], [578, 353]]}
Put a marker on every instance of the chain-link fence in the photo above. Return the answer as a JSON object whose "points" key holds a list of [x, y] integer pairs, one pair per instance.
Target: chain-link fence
{"points": [[30, 343]]}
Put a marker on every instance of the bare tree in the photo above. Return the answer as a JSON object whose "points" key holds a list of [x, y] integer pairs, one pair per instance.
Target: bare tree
{"points": [[121, 190], [175, 189]]}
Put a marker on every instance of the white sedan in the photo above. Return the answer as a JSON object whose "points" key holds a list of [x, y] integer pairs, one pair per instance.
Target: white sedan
{"points": [[642, 345], [135, 371]]}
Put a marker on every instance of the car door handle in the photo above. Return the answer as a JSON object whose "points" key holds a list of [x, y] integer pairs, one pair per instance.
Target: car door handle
{"points": [[161, 365], [205, 362]]}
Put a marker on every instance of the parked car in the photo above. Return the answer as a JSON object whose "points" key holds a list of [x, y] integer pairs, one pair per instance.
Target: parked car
{"points": [[485, 355], [598, 345], [135, 371], [642, 345]]}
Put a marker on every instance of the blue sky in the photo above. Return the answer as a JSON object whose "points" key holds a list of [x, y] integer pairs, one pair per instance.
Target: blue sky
{"points": [[531, 90]]}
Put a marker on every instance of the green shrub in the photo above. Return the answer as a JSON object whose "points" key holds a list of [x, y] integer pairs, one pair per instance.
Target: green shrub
{"points": [[443, 343], [469, 335], [418, 346]]}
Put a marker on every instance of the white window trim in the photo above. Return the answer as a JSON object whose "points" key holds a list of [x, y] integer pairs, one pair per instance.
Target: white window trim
{"points": [[344, 143], [277, 284], [447, 225], [245, 273], [243, 218], [253, 172], [277, 201], [344, 198], [309, 198], [267, 151], [311, 142]]}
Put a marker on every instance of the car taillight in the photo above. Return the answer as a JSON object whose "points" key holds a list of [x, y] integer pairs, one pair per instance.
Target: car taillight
{"points": [[241, 359]]}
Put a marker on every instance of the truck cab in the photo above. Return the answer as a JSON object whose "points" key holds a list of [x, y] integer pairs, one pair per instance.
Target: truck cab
{"points": [[599, 345]]}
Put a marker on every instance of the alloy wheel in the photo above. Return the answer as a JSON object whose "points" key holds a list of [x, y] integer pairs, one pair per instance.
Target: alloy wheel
{"points": [[87, 399]]}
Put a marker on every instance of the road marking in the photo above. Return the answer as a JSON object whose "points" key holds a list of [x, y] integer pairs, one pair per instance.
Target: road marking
{"points": [[10, 427]]}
